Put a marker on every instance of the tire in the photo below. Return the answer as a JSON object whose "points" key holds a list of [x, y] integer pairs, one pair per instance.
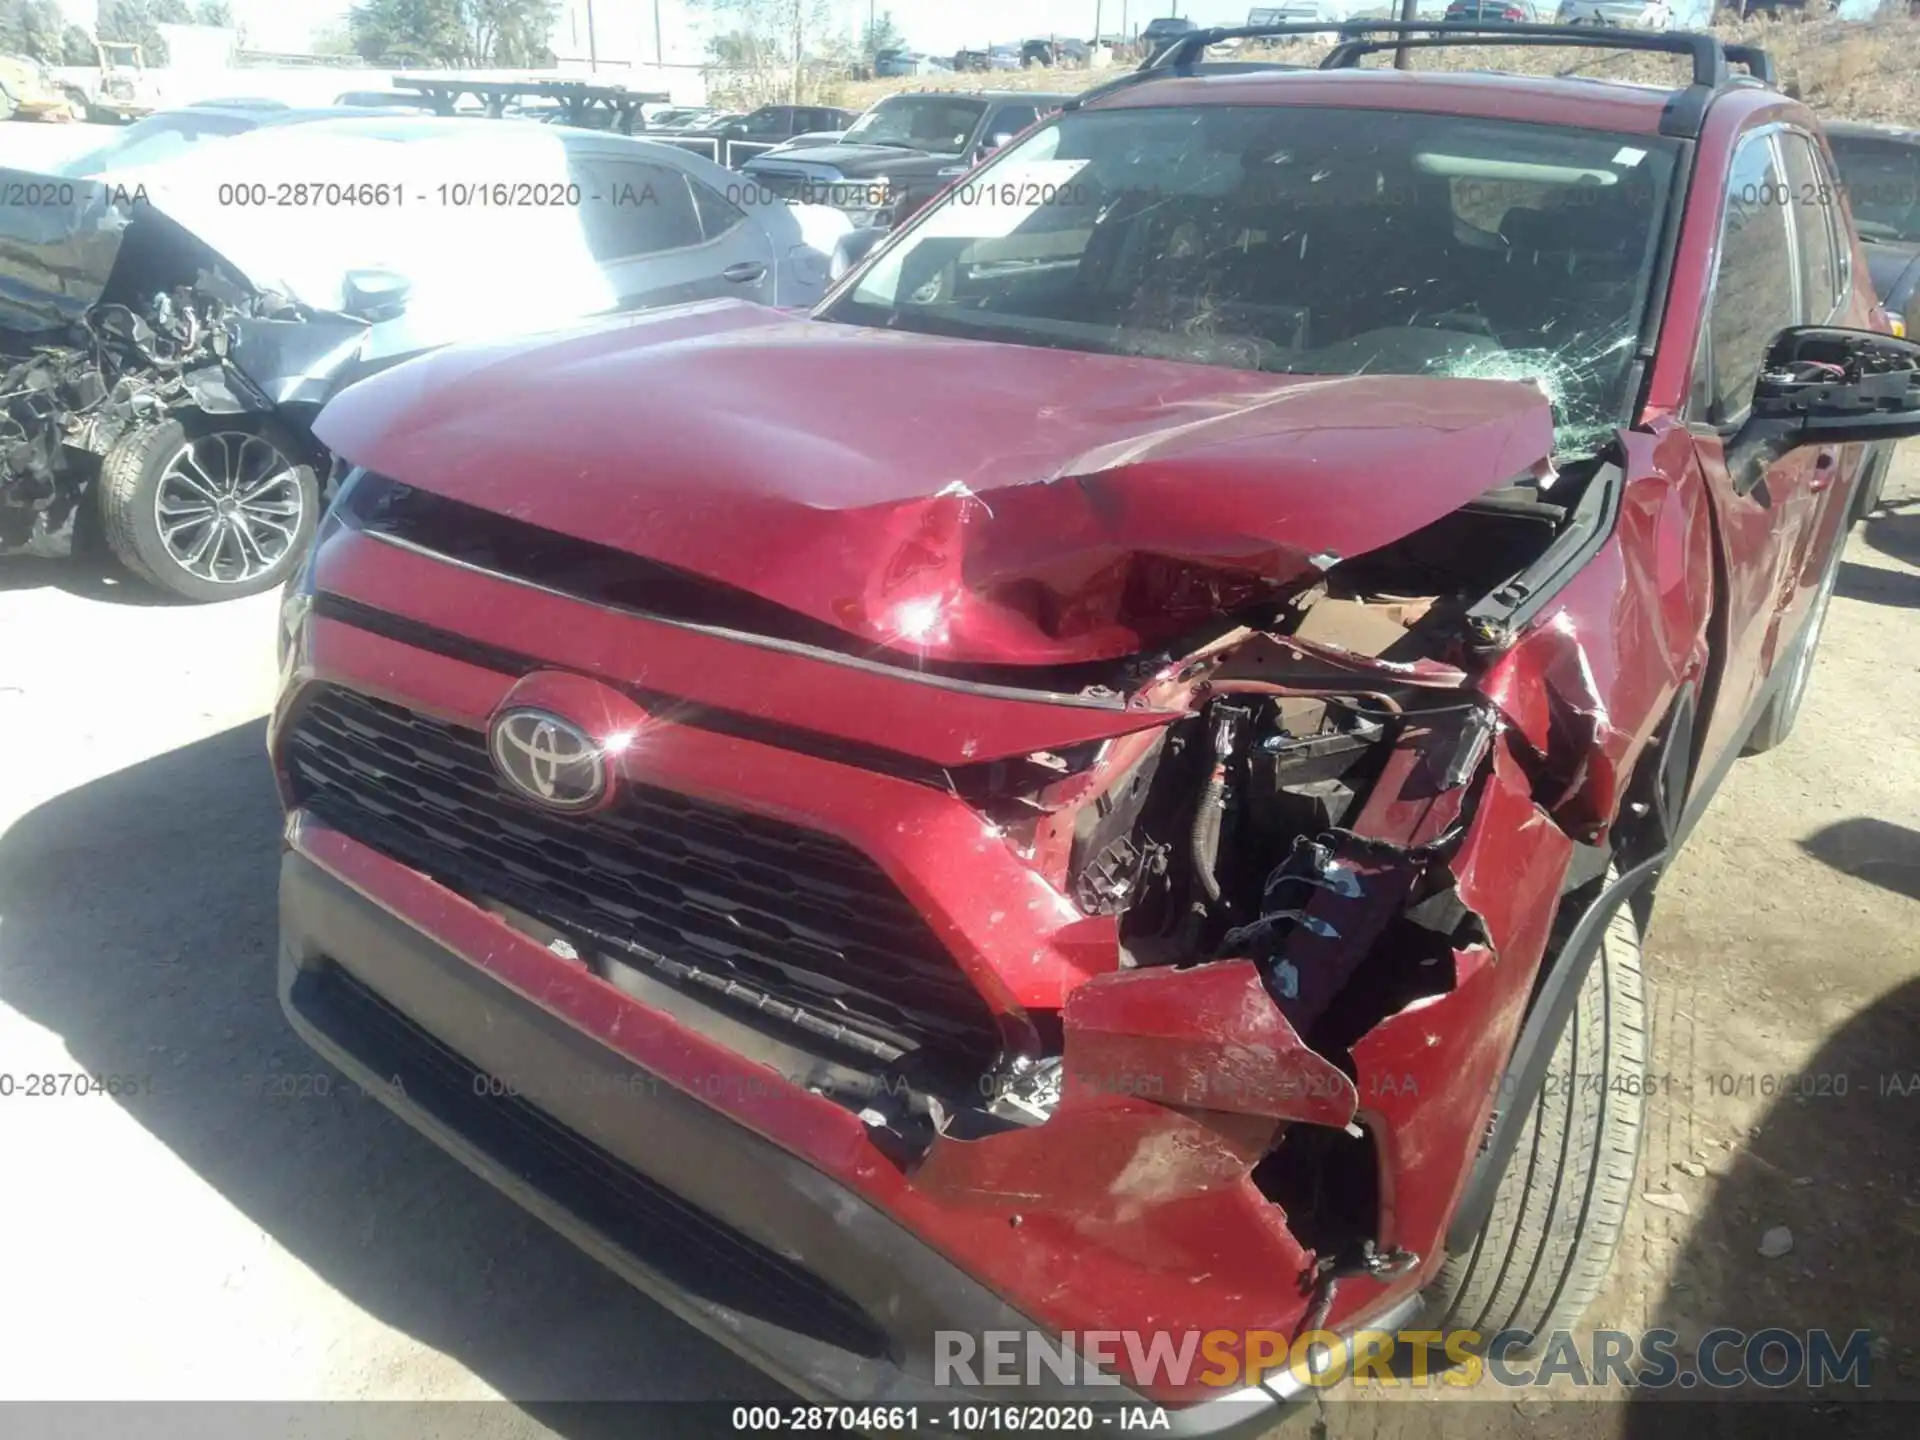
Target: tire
{"points": [[166, 488], [1777, 720], [1562, 1204]]}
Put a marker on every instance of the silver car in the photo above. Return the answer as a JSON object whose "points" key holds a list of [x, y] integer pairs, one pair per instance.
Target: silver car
{"points": [[1624, 14], [313, 255]]}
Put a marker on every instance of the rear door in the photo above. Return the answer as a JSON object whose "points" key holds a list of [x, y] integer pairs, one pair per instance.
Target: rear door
{"points": [[662, 237], [1776, 268]]}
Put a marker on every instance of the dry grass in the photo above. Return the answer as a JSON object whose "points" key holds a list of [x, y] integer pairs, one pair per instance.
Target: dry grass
{"points": [[1856, 70]]}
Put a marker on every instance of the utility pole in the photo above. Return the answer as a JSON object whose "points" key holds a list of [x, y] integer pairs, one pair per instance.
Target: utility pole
{"points": [[659, 51], [1409, 12], [593, 55], [1096, 22], [799, 9]]}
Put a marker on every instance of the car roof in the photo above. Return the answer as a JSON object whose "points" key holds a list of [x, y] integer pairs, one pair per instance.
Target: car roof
{"points": [[509, 133], [1576, 101], [991, 96], [1872, 130]]}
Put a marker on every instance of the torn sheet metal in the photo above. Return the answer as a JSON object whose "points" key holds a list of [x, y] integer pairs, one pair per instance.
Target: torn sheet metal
{"points": [[1587, 686], [1428, 1075], [1035, 507], [1205, 1038]]}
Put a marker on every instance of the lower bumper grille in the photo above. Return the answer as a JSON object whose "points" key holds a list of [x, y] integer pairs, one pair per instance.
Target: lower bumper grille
{"points": [[682, 1243], [783, 913]]}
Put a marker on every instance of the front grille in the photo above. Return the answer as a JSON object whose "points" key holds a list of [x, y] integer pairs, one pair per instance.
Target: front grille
{"points": [[784, 915], [682, 1243]]}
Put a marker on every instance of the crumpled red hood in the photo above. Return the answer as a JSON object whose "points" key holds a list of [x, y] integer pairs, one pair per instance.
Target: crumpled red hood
{"points": [[963, 500]]}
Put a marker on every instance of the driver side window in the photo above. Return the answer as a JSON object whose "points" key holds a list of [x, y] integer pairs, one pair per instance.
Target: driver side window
{"points": [[1754, 291]]}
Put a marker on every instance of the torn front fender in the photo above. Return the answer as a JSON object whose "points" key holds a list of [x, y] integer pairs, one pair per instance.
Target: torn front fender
{"points": [[1429, 1074], [1588, 684], [297, 362]]}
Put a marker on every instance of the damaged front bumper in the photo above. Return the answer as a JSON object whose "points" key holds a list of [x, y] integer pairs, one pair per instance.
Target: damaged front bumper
{"points": [[805, 1277], [1256, 1127]]}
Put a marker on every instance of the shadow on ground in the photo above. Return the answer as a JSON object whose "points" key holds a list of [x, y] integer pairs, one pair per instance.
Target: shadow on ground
{"points": [[1834, 1163], [137, 920], [1878, 587], [89, 576], [1895, 531], [1879, 851]]}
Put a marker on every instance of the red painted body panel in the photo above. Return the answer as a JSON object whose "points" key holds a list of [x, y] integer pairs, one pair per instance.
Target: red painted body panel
{"points": [[701, 438], [1037, 507]]}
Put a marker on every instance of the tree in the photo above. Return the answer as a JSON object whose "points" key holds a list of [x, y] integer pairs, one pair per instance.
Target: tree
{"points": [[881, 34], [762, 55], [215, 12], [407, 32], [454, 33], [512, 34], [32, 28], [137, 22], [76, 47]]}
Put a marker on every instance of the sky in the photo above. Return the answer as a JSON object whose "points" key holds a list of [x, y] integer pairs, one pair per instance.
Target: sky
{"points": [[625, 27]]}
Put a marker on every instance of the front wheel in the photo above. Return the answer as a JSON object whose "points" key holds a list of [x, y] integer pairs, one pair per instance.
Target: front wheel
{"points": [[1561, 1206], [211, 508]]}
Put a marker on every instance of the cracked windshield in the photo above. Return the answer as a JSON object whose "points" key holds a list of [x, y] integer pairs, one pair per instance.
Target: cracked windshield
{"points": [[1303, 241]]}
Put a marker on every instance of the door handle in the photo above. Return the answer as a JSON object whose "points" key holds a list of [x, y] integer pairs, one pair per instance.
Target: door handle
{"points": [[1826, 468], [745, 272]]}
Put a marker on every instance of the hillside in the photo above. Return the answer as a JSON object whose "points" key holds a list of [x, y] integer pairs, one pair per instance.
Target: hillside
{"points": [[1860, 70]]}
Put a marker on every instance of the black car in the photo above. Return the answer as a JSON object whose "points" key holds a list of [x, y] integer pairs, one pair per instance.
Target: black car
{"points": [[1164, 31], [1880, 171], [735, 141], [899, 154]]}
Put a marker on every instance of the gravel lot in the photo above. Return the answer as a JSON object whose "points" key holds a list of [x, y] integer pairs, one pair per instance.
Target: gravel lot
{"points": [[246, 1227]]}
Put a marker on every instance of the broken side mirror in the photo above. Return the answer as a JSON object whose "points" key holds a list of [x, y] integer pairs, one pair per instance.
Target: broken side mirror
{"points": [[853, 247], [375, 294], [1826, 386]]}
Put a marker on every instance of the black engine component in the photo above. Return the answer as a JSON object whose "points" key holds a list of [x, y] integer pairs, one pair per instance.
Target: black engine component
{"points": [[1296, 776]]}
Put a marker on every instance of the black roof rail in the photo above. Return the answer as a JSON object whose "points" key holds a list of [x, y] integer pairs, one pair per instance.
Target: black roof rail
{"points": [[1710, 56], [1712, 59]]}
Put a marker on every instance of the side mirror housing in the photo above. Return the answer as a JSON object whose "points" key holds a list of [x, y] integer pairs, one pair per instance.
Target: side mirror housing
{"points": [[853, 247], [992, 143], [1827, 386], [375, 294]]}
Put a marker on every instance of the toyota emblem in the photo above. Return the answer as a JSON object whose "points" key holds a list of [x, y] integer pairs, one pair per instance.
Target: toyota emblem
{"points": [[550, 761]]}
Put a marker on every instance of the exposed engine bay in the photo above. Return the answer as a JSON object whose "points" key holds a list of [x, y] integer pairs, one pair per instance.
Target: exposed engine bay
{"points": [[1277, 868], [115, 318], [67, 404]]}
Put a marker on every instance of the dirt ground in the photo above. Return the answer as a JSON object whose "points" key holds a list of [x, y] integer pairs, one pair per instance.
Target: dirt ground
{"points": [[204, 1237]]}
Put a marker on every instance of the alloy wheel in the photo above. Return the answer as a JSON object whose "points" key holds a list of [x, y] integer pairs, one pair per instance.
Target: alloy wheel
{"points": [[228, 506]]}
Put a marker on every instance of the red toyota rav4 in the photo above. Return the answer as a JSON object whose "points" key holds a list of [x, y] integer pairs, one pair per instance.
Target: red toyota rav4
{"points": [[1106, 781]]}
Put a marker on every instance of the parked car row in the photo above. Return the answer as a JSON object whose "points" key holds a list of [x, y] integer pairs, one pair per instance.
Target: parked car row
{"points": [[1109, 778], [177, 313]]}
